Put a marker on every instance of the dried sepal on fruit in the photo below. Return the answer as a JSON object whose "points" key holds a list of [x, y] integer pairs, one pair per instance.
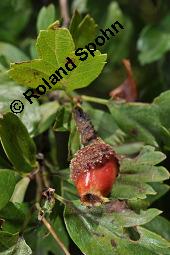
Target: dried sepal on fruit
{"points": [[94, 167]]}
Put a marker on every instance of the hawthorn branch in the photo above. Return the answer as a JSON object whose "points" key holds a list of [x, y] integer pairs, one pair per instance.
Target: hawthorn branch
{"points": [[53, 233], [41, 176], [64, 12], [61, 199], [50, 229], [39, 186]]}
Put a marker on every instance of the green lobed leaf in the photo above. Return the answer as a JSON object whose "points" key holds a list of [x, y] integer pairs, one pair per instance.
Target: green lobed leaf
{"points": [[163, 102], [131, 190], [118, 48], [104, 230], [20, 248], [136, 174], [133, 129], [74, 23], [148, 123], [20, 190], [11, 53], [14, 216], [4, 163], [63, 118], [112, 135], [16, 212], [68, 190], [46, 17], [7, 240], [160, 188], [19, 13], [38, 118], [151, 48], [17, 143], [128, 218], [74, 143], [54, 46], [159, 225], [7, 185], [148, 244], [128, 148], [83, 31], [99, 119], [9, 91], [32, 49], [30, 116], [48, 112]]}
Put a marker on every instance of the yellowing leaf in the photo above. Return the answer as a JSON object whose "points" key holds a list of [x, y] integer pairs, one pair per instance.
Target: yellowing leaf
{"points": [[54, 46]]}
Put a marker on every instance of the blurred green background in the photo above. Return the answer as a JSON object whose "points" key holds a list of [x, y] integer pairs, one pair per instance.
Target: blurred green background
{"points": [[145, 40]]}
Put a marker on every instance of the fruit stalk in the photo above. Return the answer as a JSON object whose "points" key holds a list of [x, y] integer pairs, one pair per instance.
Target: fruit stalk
{"points": [[84, 126]]}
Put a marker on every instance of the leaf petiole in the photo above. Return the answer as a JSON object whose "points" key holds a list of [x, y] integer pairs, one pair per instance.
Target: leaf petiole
{"points": [[94, 100]]}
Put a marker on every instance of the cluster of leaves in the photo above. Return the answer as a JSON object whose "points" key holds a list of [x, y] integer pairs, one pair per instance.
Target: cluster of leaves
{"points": [[37, 145]]}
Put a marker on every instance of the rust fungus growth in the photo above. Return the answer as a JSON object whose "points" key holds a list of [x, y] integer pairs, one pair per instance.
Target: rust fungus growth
{"points": [[94, 168]]}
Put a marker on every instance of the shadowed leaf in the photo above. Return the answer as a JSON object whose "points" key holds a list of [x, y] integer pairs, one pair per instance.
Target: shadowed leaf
{"points": [[17, 143]]}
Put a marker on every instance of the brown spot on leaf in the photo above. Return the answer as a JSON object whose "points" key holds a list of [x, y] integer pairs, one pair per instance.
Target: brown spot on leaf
{"points": [[134, 132], [98, 234], [113, 243], [132, 233], [1, 223], [55, 25], [35, 73], [18, 63], [116, 206]]}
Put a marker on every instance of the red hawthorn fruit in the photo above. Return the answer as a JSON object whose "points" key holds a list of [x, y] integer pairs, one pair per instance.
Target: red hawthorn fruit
{"points": [[93, 171]]}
